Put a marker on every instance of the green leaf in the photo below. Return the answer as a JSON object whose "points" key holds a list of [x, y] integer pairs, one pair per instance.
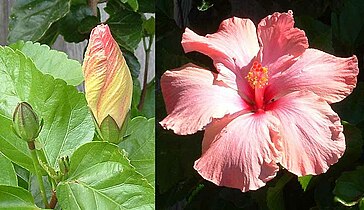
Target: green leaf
{"points": [[312, 8], [148, 109], [323, 195], [275, 199], [146, 6], [77, 24], [319, 34], [35, 190], [175, 157], [12, 197], [132, 62], [140, 146], [305, 181], [351, 108], [31, 19], [77, 2], [354, 144], [8, 175], [136, 97], [168, 59], [149, 26], [52, 62], [67, 119], [22, 176], [164, 8], [349, 189], [348, 24], [51, 35], [149, 102], [10, 145], [205, 5], [101, 177], [132, 3], [126, 26]]}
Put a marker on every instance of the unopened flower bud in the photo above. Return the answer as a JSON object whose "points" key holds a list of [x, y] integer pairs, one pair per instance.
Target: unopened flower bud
{"points": [[64, 165], [108, 82], [26, 123]]}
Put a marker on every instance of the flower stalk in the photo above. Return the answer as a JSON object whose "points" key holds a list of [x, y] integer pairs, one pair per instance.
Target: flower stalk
{"points": [[36, 164], [26, 126]]}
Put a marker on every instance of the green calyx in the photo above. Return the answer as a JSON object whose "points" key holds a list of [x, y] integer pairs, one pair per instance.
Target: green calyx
{"points": [[110, 131], [26, 124]]}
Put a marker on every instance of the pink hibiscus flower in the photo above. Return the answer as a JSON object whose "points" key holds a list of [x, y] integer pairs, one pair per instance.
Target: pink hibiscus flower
{"points": [[268, 104]]}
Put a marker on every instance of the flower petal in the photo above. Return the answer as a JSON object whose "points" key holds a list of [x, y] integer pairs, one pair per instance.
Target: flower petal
{"points": [[234, 45], [330, 77], [108, 83], [193, 99], [311, 133], [232, 48], [240, 152], [280, 41]]}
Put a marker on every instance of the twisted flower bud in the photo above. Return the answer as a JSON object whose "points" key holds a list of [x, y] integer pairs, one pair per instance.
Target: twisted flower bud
{"points": [[108, 83]]}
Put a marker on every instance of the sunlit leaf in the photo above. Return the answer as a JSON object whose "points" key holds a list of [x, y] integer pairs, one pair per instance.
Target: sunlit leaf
{"points": [[67, 120], [140, 146], [101, 177], [52, 62], [8, 175], [12, 198], [305, 181]]}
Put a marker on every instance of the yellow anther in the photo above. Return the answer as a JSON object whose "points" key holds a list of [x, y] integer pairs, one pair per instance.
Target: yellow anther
{"points": [[257, 76]]}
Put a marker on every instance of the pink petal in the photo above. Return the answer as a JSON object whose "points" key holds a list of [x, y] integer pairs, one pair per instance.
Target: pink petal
{"points": [[311, 133], [280, 41], [232, 47], [236, 81], [234, 44], [330, 77], [240, 153], [193, 98]]}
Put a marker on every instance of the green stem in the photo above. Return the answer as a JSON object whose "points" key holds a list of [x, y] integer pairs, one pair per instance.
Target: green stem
{"points": [[37, 172], [146, 67], [52, 182]]}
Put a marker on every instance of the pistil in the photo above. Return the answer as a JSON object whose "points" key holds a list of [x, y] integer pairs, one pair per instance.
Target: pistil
{"points": [[258, 80]]}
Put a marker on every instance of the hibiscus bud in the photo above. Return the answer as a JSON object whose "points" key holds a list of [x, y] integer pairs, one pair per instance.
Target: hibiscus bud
{"points": [[64, 165], [26, 123], [108, 82]]}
